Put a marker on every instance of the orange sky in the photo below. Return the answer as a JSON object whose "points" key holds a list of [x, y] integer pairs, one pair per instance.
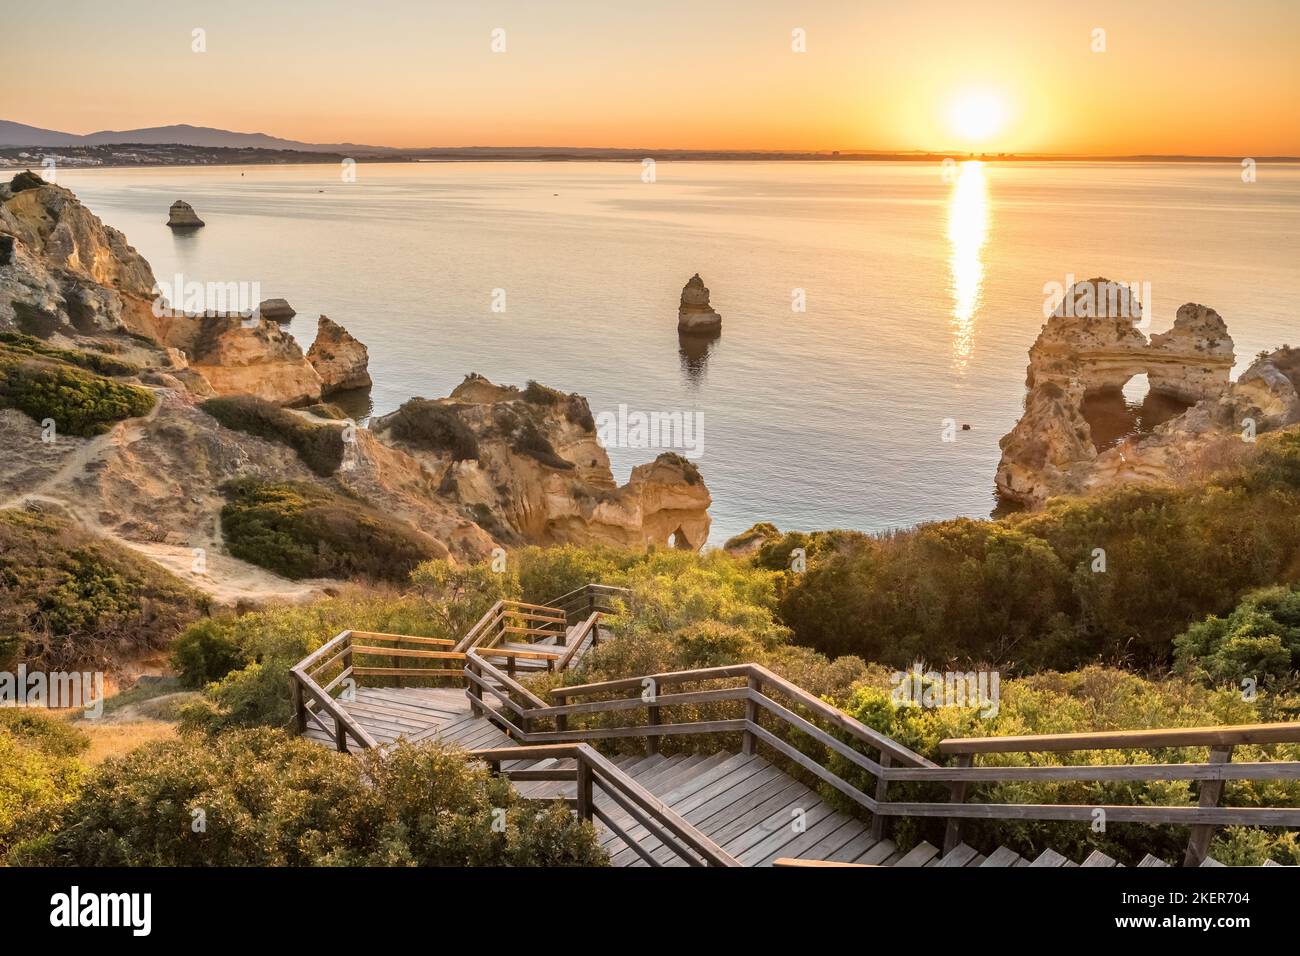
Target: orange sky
{"points": [[1176, 77]]}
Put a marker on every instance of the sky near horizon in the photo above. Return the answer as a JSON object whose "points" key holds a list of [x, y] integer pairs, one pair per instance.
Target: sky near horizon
{"points": [[1187, 77]]}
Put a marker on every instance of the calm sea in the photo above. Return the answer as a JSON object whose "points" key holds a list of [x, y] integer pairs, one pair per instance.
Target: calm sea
{"points": [[921, 290]]}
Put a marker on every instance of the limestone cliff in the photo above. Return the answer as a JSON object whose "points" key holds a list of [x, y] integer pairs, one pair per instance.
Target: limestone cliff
{"points": [[486, 467], [1091, 347], [528, 465], [341, 361]]}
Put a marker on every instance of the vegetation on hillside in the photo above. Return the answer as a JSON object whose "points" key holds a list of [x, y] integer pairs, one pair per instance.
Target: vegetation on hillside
{"points": [[1258, 642], [319, 446], [17, 343], [39, 773], [70, 599], [79, 402], [301, 530], [1112, 577], [261, 798], [434, 427]]}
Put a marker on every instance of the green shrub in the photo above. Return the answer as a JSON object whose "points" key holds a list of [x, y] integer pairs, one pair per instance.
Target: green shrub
{"points": [[1028, 590], [576, 409], [530, 441], [270, 800], [434, 427], [79, 402], [300, 530], [320, 447], [39, 773], [1259, 640], [1090, 699], [68, 598], [206, 652], [270, 641], [16, 343]]}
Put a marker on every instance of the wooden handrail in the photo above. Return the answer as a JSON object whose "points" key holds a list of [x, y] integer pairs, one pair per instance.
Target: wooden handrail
{"points": [[1226, 736], [672, 830]]}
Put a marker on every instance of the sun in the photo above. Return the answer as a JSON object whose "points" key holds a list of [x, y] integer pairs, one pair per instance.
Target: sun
{"points": [[977, 115]]}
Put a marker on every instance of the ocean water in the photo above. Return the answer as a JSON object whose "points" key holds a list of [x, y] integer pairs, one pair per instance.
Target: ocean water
{"points": [[921, 290]]}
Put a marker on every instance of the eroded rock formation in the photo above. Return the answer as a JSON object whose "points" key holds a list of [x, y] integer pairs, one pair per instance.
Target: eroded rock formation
{"points": [[341, 361], [277, 310], [486, 467], [1091, 347], [694, 314], [182, 216], [65, 272], [529, 466]]}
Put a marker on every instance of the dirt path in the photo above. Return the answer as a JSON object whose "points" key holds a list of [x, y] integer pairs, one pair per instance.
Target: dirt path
{"points": [[227, 580]]}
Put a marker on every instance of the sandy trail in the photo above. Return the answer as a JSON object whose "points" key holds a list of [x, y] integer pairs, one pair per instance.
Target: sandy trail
{"points": [[226, 580]]}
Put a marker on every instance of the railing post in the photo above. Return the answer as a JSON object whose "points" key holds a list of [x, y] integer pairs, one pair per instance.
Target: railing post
{"points": [[510, 665], [584, 789], [952, 834], [652, 720], [1198, 844], [474, 690], [747, 739], [340, 736], [882, 791], [299, 708]]}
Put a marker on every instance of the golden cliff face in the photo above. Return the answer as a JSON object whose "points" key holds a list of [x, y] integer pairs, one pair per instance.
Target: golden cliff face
{"points": [[1090, 348], [531, 464]]}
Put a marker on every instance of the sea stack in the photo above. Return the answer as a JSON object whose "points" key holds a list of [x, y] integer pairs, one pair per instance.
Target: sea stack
{"points": [[694, 315], [182, 216], [339, 359], [277, 310]]}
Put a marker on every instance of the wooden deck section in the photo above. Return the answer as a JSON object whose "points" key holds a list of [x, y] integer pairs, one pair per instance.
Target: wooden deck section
{"points": [[417, 713]]}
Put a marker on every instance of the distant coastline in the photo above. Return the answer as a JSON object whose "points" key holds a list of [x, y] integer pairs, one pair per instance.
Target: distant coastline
{"points": [[143, 155]]}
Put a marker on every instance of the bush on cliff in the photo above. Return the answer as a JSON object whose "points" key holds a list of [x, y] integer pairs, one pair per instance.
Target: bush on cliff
{"points": [[1091, 699], [1115, 576], [269, 800], [16, 343], [301, 530], [39, 773], [434, 427], [319, 446], [1259, 641], [69, 598], [79, 402]]}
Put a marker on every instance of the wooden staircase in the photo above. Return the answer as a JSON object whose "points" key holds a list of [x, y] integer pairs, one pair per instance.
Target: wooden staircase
{"points": [[724, 806]]}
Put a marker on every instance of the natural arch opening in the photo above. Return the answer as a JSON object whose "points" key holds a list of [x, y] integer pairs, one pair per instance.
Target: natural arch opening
{"points": [[1117, 414], [678, 541]]}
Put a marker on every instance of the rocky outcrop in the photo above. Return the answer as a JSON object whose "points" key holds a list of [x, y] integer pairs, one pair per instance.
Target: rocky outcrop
{"points": [[528, 466], [340, 360], [65, 272], [277, 310], [1091, 347], [694, 314], [246, 356], [182, 216]]}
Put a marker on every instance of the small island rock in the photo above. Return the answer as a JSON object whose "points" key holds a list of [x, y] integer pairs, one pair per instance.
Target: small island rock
{"points": [[694, 314], [182, 215]]}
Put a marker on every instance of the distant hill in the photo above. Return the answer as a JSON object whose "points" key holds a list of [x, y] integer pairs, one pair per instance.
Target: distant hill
{"points": [[19, 134]]}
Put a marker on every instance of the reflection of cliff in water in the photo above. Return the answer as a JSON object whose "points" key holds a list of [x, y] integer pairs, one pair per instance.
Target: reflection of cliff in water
{"points": [[1112, 417], [694, 349]]}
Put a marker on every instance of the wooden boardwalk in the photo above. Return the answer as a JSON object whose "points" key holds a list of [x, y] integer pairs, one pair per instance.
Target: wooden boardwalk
{"points": [[718, 807], [752, 809], [417, 714]]}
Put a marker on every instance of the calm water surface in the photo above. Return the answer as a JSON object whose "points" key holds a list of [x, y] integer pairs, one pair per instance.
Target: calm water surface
{"points": [[923, 293]]}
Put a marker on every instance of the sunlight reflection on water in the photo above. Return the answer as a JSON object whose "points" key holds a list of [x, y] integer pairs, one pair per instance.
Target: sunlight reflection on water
{"points": [[968, 222]]}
